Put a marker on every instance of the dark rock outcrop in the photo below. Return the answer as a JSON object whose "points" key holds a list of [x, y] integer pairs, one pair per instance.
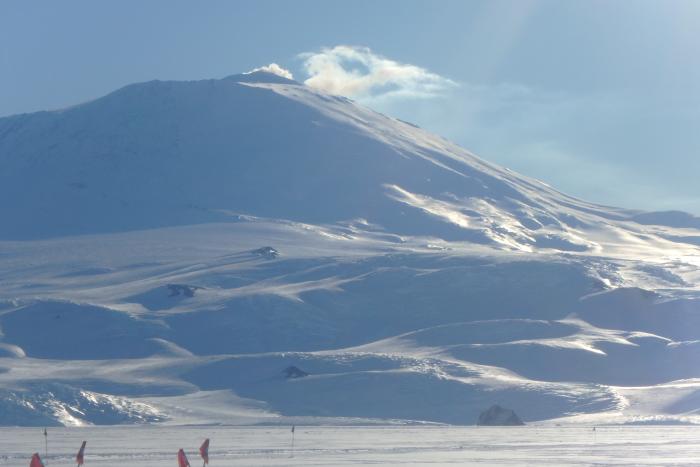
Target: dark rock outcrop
{"points": [[499, 416], [267, 252], [182, 289], [292, 372]]}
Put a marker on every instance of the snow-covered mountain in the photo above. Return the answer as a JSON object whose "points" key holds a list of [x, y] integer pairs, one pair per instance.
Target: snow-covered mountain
{"points": [[169, 251]]}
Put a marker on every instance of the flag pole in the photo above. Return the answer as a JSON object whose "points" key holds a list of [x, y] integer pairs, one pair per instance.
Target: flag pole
{"points": [[293, 427], [46, 446]]}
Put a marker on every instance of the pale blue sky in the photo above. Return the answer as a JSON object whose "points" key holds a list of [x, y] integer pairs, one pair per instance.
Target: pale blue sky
{"points": [[600, 99]]}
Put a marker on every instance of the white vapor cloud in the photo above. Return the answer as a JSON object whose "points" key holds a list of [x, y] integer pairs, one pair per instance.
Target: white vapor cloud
{"points": [[275, 69], [360, 73]]}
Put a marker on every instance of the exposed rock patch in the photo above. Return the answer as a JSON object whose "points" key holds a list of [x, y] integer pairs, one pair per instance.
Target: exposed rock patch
{"points": [[499, 416], [182, 289], [292, 372], [267, 252]]}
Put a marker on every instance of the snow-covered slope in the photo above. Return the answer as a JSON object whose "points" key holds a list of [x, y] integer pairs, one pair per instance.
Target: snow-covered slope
{"points": [[410, 279]]}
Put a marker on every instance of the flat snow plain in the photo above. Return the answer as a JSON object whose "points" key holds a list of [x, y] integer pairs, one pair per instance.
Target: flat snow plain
{"points": [[150, 446]]}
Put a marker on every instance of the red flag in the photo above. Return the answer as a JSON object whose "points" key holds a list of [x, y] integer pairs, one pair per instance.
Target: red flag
{"points": [[80, 458], [36, 461], [181, 459], [204, 451]]}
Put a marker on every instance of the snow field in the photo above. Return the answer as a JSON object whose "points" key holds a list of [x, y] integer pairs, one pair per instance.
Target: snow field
{"points": [[380, 445]]}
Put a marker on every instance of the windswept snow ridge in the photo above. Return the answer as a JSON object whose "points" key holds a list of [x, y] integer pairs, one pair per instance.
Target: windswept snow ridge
{"points": [[184, 244]]}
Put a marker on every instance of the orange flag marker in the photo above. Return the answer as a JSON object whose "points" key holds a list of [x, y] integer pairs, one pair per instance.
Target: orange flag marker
{"points": [[204, 451], [36, 461], [182, 459], [80, 458]]}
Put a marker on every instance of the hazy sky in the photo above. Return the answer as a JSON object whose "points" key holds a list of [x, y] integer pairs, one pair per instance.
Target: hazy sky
{"points": [[600, 99]]}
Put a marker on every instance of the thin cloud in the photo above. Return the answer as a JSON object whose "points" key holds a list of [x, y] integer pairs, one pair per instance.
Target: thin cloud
{"points": [[275, 69], [360, 73]]}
